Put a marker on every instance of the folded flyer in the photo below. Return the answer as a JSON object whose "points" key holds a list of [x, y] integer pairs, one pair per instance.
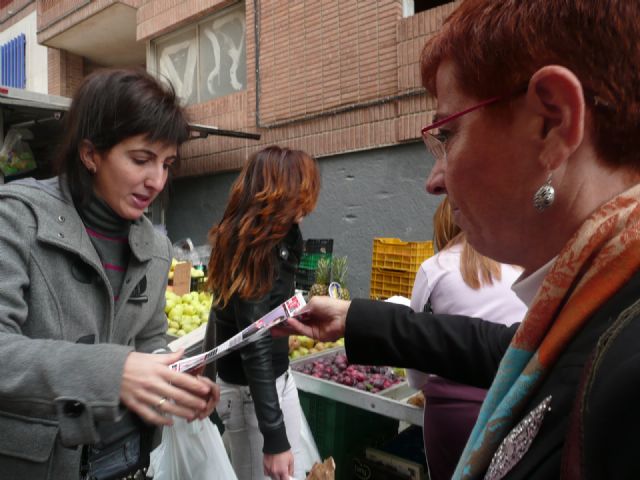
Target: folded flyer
{"points": [[250, 334]]}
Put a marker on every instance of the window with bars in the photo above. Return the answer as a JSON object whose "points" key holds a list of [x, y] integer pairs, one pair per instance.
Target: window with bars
{"points": [[12, 65]]}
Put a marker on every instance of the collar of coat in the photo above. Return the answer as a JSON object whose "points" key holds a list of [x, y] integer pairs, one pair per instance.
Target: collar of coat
{"points": [[59, 223]]}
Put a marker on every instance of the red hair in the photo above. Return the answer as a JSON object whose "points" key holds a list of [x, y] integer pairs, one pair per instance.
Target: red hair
{"points": [[496, 47], [476, 270], [274, 189]]}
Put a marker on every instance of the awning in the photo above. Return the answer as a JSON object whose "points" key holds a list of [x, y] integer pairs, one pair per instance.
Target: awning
{"points": [[25, 108], [203, 131]]}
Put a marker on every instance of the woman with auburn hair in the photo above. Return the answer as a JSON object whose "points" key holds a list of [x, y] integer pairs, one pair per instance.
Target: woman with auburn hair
{"points": [[536, 144], [256, 250], [457, 281]]}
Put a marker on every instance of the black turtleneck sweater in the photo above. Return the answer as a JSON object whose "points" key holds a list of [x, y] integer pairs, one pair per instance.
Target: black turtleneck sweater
{"points": [[109, 234]]}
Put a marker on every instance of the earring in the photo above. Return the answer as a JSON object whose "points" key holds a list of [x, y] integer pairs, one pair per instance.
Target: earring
{"points": [[92, 170], [545, 196]]}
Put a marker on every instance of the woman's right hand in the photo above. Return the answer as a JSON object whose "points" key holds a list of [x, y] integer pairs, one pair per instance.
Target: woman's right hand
{"points": [[150, 389], [278, 466], [323, 318]]}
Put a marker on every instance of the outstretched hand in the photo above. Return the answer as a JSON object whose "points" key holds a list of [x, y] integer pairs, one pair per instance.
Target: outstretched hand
{"points": [[152, 390], [323, 318]]}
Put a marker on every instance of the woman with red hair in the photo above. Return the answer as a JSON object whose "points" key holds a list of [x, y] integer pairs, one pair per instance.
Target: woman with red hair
{"points": [[535, 141], [256, 249]]}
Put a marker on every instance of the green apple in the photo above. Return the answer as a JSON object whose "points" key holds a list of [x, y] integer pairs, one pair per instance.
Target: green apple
{"points": [[169, 305], [175, 314]]}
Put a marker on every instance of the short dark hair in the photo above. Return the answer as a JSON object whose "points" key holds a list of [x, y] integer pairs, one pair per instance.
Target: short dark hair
{"points": [[110, 106]]}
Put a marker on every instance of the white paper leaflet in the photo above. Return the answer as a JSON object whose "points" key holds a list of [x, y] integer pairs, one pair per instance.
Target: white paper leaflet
{"points": [[250, 334]]}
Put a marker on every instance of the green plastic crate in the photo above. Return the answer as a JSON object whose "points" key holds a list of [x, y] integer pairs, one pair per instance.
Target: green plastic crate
{"points": [[309, 261], [342, 431]]}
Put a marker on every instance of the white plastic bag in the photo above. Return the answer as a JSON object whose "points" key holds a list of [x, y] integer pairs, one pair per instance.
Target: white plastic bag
{"points": [[310, 454], [191, 451]]}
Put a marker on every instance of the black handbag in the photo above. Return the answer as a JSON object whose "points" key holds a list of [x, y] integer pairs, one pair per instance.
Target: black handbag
{"points": [[124, 448]]}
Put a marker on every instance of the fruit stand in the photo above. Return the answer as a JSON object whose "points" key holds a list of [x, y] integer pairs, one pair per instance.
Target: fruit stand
{"points": [[389, 402], [352, 408], [349, 408]]}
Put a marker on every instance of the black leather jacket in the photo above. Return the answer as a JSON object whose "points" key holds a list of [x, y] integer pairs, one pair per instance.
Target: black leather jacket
{"points": [[261, 362]]}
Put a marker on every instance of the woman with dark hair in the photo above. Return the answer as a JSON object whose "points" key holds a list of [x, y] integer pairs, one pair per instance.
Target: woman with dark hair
{"points": [[82, 282], [457, 281], [256, 249]]}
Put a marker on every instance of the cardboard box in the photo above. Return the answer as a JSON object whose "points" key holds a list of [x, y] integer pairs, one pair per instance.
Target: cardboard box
{"points": [[182, 278]]}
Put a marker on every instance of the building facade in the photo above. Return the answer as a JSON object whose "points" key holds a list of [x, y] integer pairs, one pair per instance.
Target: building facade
{"points": [[337, 78]]}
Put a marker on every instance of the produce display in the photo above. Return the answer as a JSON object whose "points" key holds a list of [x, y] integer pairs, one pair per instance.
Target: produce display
{"points": [[327, 271], [195, 272], [300, 346], [336, 368], [186, 312]]}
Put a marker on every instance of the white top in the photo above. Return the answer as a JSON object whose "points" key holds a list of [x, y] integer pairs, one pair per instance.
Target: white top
{"points": [[527, 288], [439, 280]]}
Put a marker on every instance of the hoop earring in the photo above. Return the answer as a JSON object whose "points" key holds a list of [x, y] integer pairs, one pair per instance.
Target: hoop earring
{"points": [[545, 196]]}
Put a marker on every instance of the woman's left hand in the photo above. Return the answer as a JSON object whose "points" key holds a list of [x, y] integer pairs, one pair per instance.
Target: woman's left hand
{"points": [[152, 390], [214, 397], [278, 466]]}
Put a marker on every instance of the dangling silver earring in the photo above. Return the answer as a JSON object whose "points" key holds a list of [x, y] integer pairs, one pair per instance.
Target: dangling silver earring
{"points": [[545, 196]]}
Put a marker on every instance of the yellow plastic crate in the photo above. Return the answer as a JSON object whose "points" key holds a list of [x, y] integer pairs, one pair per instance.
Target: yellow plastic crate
{"points": [[387, 283], [396, 254]]}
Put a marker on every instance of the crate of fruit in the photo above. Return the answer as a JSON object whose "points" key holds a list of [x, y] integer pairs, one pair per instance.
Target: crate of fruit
{"points": [[387, 283], [329, 373], [398, 255]]}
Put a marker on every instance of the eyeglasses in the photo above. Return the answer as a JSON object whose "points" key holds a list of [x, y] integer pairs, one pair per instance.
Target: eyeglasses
{"points": [[436, 141]]}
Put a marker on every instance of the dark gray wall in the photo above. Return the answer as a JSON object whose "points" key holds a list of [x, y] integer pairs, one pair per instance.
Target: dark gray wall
{"points": [[377, 193]]}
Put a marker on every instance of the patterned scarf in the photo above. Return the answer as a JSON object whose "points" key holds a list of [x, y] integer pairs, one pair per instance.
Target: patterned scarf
{"points": [[598, 260]]}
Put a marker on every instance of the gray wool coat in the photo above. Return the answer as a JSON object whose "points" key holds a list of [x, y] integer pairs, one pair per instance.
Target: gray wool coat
{"points": [[63, 341]]}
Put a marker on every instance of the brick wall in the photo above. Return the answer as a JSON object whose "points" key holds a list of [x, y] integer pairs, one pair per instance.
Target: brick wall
{"points": [[65, 72], [316, 56], [56, 16], [334, 77], [12, 11], [156, 17]]}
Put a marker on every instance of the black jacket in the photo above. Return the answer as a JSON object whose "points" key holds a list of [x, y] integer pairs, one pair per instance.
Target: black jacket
{"points": [[591, 430], [259, 363]]}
